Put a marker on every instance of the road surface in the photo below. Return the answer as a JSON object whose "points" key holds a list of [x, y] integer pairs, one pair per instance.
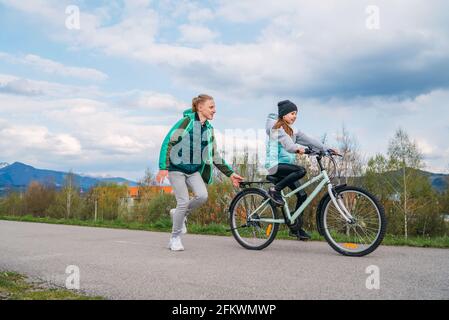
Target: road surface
{"points": [[127, 264]]}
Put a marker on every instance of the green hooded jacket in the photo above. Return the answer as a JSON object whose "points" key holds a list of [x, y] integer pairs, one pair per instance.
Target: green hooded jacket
{"points": [[177, 133]]}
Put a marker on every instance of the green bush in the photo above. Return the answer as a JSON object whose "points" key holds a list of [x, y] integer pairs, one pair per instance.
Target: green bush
{"points": [[158, 207]]}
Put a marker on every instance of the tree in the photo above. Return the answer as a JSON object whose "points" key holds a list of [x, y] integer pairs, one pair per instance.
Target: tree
{"points": [[71, 193], [148, 179], [12, 205], [142, 205], [68, 202], [351, 165], [376, 179], [404, 157], [38, 198], [109, 198]]}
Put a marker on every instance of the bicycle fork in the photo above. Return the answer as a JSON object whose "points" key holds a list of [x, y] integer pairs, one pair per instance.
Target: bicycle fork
{"points": [[338, 203]]}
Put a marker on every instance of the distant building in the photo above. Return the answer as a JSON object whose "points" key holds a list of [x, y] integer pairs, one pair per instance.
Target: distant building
{"points": [[135, 192]]}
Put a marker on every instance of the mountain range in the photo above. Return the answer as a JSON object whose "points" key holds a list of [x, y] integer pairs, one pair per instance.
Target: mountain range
{"points": [[18, 176]]}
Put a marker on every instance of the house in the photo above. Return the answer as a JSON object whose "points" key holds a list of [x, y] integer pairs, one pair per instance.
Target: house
{"points": [[135, 192]]}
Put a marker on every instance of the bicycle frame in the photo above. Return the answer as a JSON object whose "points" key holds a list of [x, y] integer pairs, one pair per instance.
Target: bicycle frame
{"points": [[324, 181]]}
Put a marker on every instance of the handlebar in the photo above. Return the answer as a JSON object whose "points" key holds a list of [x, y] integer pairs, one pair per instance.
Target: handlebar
{"points": [[328, 153], [320, 154]]}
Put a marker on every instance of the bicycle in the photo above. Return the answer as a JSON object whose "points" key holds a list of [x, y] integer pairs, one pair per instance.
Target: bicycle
{"points": [[351, 219]]}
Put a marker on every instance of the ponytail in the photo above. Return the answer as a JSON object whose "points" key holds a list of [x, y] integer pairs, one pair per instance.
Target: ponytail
{"points": [[281, 123], [198, 100]]}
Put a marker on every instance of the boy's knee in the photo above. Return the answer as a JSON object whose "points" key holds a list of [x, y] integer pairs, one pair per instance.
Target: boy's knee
{"points": [[202, 197], [182, 205]]}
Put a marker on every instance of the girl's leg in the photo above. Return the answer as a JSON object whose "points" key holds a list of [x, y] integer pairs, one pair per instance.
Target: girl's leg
{"points": [[301, 196], [178, 181], [296, 229], [290, 173]]}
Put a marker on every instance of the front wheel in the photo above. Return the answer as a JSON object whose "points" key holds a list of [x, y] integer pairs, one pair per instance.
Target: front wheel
{"points": [[253, 235], [361, 236]]}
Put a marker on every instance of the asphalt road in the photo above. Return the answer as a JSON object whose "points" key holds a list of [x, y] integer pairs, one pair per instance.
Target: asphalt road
{"points": [[125, 264]]}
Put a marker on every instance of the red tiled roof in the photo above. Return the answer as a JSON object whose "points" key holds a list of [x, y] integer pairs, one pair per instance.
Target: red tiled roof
{"points": [[133, 192]]}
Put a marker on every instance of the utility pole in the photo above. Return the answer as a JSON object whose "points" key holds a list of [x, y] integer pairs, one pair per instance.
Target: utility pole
{"points": [[69, 196], [96, 209], [68, 189]]}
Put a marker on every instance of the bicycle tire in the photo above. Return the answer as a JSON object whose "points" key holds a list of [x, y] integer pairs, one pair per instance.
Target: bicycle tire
{"points": [[351, 249], [234, 225]]}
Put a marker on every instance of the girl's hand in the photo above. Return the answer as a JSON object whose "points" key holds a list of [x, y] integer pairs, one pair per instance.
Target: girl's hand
{"points": [[236, 179], [301, 151], [161, 176], [335, 151]]}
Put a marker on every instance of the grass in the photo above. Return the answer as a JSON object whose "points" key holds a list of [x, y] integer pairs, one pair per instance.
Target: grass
{"points": [[164, 225], [14, 286]]}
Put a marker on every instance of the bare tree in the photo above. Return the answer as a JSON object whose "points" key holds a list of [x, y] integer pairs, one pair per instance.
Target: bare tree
{"points": [[404, 155], [70, 192], [351, 165]]}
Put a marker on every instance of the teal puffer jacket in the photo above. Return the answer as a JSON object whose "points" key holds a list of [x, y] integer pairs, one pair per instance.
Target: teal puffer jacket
{"points": [[281, 148]]}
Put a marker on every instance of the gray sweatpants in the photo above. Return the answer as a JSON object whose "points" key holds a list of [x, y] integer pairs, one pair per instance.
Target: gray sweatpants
{"points": [[180, 182]]}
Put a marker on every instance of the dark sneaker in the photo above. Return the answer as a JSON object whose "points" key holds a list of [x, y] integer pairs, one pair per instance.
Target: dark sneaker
{"points": [[300, 234], [276, 196]]}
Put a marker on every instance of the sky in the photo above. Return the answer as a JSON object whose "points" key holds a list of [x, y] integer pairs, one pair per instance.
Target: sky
{"points": [[94, 86]]}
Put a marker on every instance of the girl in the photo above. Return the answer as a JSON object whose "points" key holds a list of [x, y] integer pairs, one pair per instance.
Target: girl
{"points": [[187, 154], [282, 149]]}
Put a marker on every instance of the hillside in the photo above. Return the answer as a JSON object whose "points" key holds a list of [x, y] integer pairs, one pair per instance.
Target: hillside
{"points": [[18, 176]]}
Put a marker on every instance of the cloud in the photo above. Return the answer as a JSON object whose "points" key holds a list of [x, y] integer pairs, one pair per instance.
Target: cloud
{"points": [[50, 66], [54, 67], [10, 84], [196, 34], [321, 55], [20, 87], [292, 56], [152, 101], [37, 140], [200, 15], [79, 134], [303, 50]]}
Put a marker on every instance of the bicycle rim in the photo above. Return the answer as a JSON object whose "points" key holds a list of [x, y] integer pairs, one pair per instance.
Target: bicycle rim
{"points": [[358, 238], [252, 234]]}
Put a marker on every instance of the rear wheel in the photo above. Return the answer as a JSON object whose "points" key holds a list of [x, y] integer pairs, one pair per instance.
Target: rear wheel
{"points": [[365, 233], [253, 235]]}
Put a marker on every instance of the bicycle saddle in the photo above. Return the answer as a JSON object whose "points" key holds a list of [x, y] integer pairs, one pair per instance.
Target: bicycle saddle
{"points": [[273, 179]]}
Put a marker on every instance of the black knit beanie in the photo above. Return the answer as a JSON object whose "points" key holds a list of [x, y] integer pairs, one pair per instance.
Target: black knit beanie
{"points": [[285, 107]]}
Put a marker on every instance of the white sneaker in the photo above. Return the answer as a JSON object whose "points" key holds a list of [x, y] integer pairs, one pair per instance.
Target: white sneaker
{"points": [[176, 244], [184, 226]]}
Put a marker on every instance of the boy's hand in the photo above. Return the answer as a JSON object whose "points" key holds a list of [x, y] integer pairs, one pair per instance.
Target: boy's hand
{"points": [[236, 179], [161, 176]]}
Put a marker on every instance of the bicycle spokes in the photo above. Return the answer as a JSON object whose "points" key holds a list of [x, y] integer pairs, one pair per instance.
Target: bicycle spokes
{"points": [[246, 215], [362, 231]]}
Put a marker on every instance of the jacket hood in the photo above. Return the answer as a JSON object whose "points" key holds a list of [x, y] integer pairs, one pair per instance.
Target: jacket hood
{"points": [[271, 120], [189, 113]]}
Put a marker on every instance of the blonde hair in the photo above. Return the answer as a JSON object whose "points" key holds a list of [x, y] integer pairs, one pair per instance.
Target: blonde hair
{"points": [[281, 123], [198, 100]]}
